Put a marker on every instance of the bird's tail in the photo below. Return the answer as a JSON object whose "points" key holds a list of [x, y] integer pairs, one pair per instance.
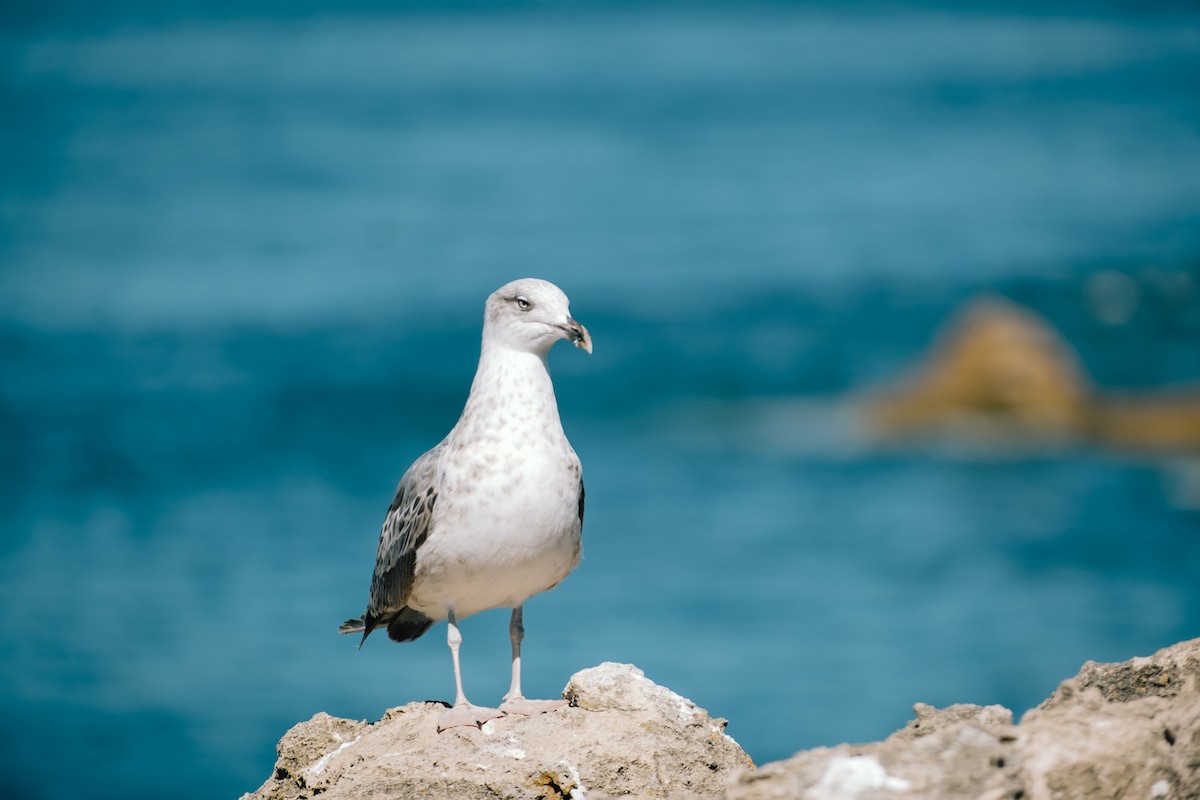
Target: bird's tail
{"points": [[358, 625]]}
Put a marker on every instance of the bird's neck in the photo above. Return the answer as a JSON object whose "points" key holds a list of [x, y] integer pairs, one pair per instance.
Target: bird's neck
{"points": [[512, 387]]}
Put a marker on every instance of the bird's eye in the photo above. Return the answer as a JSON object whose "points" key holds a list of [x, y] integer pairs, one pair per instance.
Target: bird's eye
{"points": [[523, 304]]}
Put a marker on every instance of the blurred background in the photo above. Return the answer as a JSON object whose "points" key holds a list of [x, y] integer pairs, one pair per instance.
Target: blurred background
{"points": [[896, 318]]}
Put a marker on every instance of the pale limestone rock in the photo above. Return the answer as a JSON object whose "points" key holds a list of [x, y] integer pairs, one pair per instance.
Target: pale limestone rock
{"points": [[960, 751], [622, 736], [1119, 730], [1127, 730]]}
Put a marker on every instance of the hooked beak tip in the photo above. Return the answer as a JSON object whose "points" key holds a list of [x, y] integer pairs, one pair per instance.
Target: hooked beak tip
{"points": [[579, 336]]}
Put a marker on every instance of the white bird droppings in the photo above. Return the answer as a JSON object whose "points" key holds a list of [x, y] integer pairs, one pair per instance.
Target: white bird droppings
{"points": [[323, 762], [577, 792], [847, 777]]}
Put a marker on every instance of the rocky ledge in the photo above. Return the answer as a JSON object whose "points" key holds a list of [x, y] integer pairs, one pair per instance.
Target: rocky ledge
{"points": [[1128, 730]]}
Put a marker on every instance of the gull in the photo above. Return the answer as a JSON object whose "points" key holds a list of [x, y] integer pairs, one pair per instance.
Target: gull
{"points": [[493, 514]]}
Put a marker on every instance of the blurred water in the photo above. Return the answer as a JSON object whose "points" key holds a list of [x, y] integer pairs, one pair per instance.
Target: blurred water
{"points": [[242, 263]]}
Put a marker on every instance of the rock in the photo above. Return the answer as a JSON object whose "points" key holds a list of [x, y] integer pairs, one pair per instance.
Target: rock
{"points": [[1000, 374], [960, 751], [1157, 420], [1119, 730], [997, 365], [1128, 730], [622, 735]]}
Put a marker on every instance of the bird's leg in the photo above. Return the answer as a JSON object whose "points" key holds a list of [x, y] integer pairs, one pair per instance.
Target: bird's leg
{"points": [[516, 633], [454, 639], [463, 713], [514, 701]]}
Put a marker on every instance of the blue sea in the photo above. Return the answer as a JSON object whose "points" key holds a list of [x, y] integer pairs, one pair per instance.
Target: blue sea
{"points": [[244, 250]]}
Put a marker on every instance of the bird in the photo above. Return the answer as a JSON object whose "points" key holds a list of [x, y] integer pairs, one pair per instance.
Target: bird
{"points": [[493, 514]]}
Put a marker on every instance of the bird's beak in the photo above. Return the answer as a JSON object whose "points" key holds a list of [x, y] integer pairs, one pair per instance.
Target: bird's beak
{"points": [[578, 335]]}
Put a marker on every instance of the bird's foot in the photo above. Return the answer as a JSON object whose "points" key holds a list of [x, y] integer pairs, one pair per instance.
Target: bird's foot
{"points": [[465, 714], [530, 708]]}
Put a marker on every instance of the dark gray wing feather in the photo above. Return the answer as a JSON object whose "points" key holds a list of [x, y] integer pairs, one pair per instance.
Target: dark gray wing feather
{"points": [[404, 530]]}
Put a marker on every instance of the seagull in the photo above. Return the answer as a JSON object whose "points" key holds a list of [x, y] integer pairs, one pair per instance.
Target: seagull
{"points": [[494, 513]]}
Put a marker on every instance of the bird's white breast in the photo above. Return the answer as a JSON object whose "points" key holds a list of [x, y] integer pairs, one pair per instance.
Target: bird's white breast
{"points": [[506, 525]]}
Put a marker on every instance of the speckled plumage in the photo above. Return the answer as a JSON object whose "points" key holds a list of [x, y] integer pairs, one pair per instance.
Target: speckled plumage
{"points": [[493, 514]]}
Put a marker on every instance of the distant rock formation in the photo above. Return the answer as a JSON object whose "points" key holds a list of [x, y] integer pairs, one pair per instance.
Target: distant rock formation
{"points": [[1162, 421], [1000, 372], [1128, 730]]}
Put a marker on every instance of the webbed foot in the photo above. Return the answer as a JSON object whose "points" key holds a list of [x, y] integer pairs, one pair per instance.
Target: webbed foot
{"points": [[465, 714]]}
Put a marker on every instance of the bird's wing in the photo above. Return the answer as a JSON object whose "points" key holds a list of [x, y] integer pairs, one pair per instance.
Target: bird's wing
{"points": [[404, 529]]}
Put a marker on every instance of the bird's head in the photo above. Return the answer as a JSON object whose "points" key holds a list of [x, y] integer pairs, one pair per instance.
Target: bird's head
{"points": [[531, 315]]}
